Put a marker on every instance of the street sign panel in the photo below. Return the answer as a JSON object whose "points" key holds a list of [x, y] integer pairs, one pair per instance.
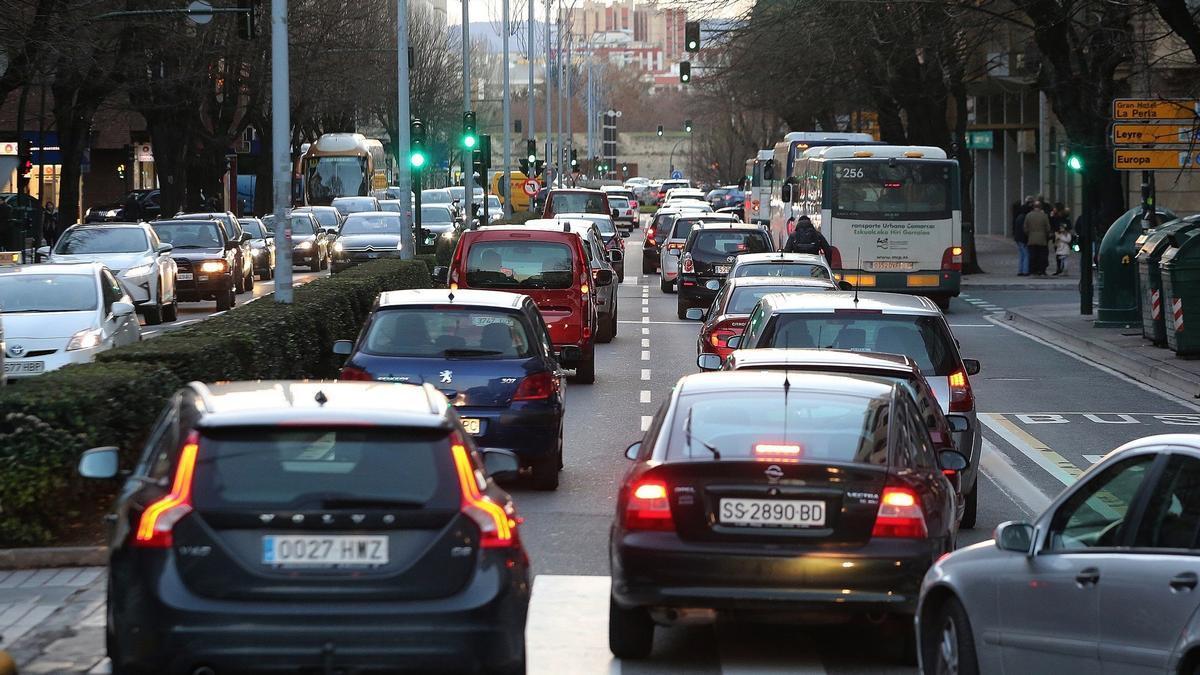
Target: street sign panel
{"points": [[1155, 109], [981, 140], [1155, 134], [676, 174], [1128, 159]]}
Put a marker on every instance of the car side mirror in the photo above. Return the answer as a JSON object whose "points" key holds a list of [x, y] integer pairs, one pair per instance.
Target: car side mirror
{"points": [[953, 460], [603, 277], [343, 347], [734, 342], [845, 285], [695, 314], [100, 463], [633, 450], [785, 193], [569, 355], [708, 362], [615, 256], [122, 309], [1014, 536], [769, 170], [440, 274], [712, 285], [971, 365], [958, 423], [501, 464], [163, 249], [43, 251], [244, 237]]}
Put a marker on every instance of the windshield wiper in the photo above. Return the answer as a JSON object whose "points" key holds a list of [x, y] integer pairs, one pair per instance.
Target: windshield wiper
{"points": [[687, 437], [451, 353]]}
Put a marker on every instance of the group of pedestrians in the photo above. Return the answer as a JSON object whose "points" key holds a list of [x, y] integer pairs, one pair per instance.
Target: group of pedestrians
{"points": [[1036, 231]]}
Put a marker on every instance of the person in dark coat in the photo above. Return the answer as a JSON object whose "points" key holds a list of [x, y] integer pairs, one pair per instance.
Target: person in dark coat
{"points": [[50, 224], [132, 211], [806, 239]]}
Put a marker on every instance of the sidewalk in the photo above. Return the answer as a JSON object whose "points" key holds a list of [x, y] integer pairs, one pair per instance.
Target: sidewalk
{"points": [[998, 258]]}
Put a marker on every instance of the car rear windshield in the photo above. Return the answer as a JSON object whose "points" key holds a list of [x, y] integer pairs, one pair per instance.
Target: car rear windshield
{"points": [[577, 202], [371, 224], [251, 226], [435, 197], [618, 202], [320, 468], [744, 298], [814, 425], [436, 214], [924, 339], [729, 242], [782, 269], [188, 234], [47, 293], [448, 332], [326, 217], [519, 264], [93, 240]]}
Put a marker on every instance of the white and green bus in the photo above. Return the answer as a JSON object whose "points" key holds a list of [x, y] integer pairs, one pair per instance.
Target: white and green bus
{"points": [[890, 212]]}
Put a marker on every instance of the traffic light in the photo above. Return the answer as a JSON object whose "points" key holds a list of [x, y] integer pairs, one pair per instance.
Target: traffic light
{"points": [[660, 130], [1075, 162], [485, 151], [574, 161], [691, 36], [687, 126], [469, 137], [685, 71], [24, 159], [247, 18], [416, 156], [531, 150], [477, 166], [539, 167]]}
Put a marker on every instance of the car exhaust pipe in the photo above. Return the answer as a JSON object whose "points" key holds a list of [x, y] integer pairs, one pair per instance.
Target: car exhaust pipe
{"points": [[876, 618], [684, 616]]}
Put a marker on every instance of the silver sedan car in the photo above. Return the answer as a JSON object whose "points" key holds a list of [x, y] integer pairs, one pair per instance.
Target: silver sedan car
{"points": [[1105, 581]]}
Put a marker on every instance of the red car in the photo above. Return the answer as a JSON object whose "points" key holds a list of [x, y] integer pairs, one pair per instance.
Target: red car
{"points": [[577, 201], [549, 266], [727, 315]]}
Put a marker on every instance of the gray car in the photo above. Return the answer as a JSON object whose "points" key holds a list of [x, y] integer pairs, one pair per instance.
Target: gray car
{"points": [[1105, 581], [889, 323]]}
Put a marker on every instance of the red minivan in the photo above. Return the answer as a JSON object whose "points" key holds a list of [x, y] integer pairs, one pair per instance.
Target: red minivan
{"points": [[577, 201], [550, 267]]}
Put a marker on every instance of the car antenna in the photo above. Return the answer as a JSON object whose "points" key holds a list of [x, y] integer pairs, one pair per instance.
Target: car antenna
{"points": [[321, 398], [787, 386], [858, 264]]}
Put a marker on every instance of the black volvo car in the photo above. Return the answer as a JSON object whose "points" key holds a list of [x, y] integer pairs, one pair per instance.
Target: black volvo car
{"points": [[313, 527]]}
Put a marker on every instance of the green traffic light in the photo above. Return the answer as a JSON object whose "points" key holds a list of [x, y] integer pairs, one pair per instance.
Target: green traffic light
{"points": [[417, 160], [1075, 163], [469, 141]]}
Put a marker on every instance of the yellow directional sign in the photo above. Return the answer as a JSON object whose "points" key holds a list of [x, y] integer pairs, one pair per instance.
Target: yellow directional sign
{"points": [[1128, 159], [1155, 109], [1155, 134]]}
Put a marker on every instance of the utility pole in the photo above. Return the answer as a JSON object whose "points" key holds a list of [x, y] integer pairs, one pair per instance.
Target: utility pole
{"points": [[403, 113], [558, 90], [531, 132], [549, 102], [505, 183], [468, 154], [568, 103], [281, 147]]}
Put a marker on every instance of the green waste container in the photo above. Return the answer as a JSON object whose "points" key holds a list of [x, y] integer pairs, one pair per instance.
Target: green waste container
{"points": [[1151, 247], [1117, 296], [1181, 292]]}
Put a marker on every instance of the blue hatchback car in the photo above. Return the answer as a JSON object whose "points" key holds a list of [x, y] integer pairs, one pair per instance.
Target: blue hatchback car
{"points": [[489, 352]]}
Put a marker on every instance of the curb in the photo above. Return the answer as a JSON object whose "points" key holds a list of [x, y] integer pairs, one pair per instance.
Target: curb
{"points": [[1171, 380], [1017, 286], [60, 556]]}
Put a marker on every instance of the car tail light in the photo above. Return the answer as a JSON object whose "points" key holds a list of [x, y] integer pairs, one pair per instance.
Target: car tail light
{"points": [[835, 258], [650, 235], [159, 518], [497, 527], [962, 399], [687, 265], [900, 515], [354, 374], [952, 259], [648, 507], [536, 387], [720, 336]]}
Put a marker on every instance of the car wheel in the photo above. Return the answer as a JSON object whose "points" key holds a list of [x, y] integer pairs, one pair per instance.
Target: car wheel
{"points": [[604, 332], [585, 372], [612, 331], [316, 264], [515, 668], [664, 285], [239, 284], [648, 266], [942, 301], [269, 273], [225, 300], [171, 311], [545, 474], [972, 507], [681, 308], [154, 313], [630, 631], [947, 645], [249, 284]]}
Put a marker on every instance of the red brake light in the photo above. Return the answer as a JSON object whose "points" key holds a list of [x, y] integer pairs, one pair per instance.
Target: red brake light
{"points": [[785, 449], [159, 518], [900, 515], [952, 259], [354, 374], [962, 399], [536, 387], [498, 529], [835, 258], [648, 507]]}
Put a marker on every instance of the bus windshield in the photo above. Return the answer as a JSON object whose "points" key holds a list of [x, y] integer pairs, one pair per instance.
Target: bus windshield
{"points": [[329, 177], [910, 190]]}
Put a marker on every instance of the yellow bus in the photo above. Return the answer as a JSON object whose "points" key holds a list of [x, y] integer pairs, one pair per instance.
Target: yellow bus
{"points": [[342, 165]]}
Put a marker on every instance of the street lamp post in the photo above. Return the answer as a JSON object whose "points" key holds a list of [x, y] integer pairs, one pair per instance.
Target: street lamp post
{"points": [[468, 168], [505, 180], [281, 178], [403, 112]]}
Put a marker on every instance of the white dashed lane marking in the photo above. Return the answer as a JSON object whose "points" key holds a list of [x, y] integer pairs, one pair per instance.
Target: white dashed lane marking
{"points": [[646, 422], [645, 373], [645, 396]]}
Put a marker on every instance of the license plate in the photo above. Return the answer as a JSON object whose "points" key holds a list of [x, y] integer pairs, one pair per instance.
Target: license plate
{"points": [[472, 425], [24, 367], [184, 276], [372, 255], [891, 265], [772, 512], [720, 269], [317, 550]]}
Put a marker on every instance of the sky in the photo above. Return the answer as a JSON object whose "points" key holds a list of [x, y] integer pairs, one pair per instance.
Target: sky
{"points": [[489, 10]]}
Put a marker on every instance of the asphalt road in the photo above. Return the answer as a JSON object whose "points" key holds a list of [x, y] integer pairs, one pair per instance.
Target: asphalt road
{"points": [[1048, 415]]}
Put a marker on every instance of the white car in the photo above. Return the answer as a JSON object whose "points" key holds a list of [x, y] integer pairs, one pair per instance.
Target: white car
{"points": [[627, 211], [681, 193], [56, 314], [134, 253]]}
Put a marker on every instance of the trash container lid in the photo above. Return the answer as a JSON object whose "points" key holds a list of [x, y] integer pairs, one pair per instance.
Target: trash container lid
{"points": [[1183, 251], [1155, 242]]}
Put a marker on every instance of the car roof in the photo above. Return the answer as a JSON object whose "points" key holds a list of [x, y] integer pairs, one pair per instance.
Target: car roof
{"points": [[393, 214], [887, 303], [315, 402], [583, 190], [841, 358], [441, 296], [181, 221], [780, 256], [738, 282], [590, 217], [747, 380], [315, 208], [64, 268], [347, 198], [108, 226], [554, 231], [707, 223]]}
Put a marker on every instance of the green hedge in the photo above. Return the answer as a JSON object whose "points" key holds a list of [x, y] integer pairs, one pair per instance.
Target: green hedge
{"points": [[46, 421]]}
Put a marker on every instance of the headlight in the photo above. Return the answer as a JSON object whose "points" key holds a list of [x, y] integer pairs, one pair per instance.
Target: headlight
{"points": [[84, 339], [212, 266], [139, 271], [337, 246], [304, 246]]}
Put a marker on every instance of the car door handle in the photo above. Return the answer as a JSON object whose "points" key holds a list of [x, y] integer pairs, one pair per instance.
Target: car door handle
{"points": [[1184, 582], [1088, 577]]}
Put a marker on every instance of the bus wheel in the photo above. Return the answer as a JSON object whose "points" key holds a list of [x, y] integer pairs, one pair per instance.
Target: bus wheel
{"points": [[942, 301]]}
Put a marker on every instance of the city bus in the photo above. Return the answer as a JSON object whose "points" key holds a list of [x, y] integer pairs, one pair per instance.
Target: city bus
{"points": [[758, 188], [783, 162], [891, 213], [342, 165]]}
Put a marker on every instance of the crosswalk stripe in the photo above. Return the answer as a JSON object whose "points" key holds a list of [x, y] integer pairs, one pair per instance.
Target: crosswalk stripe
{"points": [[567, 629]]}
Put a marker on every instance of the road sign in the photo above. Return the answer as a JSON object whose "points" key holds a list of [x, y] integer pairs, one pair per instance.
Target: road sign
{"points": [[677, 174], [200, 12], [1155, 109], [1128, 159], [981, 140], [1154, 134], [530, 187]]}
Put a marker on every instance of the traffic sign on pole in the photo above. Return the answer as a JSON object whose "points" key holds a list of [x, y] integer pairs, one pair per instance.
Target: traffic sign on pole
{"points": [[1155, 109], [1154, 134], [1130, 159], [530, 187]]}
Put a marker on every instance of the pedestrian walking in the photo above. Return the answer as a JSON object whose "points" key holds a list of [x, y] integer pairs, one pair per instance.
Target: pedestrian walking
{"points": [[1062, 248], [1037, 230], [1019, 236], [50, 223], [806, 239]]}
